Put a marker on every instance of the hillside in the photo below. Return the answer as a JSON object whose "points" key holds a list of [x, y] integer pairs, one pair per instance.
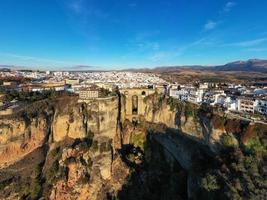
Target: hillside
{"points": [[253, 65], [252, 71]]}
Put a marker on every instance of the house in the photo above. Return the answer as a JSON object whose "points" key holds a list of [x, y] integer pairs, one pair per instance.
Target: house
{"points": [[259, 92], [10, 84], [89, 93], [196, 96], [203, 86], [230, 103], [219, 98], [261, 106], [173, 91], [72, 81], [246, 104]]}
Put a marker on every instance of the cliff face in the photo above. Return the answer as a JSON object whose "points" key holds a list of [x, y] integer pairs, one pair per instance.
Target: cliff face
{"points": [[223, 155], [76, 141], [17, 138], [77, 121], [62, 149], [197, 122]]}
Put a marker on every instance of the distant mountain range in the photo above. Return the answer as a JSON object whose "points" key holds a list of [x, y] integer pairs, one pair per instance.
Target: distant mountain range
{"points": [[252, 65]]}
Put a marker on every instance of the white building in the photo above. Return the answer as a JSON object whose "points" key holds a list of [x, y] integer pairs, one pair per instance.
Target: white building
{"points": [[219, 98], [196, 96], [246, 104], [231, 103], [261, 106], [259, 92], [203, 86]]}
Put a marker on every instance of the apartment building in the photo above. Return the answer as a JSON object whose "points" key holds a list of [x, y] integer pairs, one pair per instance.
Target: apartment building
{"points": [[246, 104], [89, 93], [261, 106]]}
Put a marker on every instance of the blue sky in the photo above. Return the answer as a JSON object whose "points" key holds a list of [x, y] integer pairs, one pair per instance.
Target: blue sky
{"points": [[116, 34]]}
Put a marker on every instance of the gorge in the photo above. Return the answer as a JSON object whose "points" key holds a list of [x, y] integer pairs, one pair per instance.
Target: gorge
{"points": [[62, 149]]}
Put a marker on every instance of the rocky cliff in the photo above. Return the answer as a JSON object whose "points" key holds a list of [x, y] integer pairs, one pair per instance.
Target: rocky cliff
{"points": [[74, 143], [223, 155], [62, 149]]}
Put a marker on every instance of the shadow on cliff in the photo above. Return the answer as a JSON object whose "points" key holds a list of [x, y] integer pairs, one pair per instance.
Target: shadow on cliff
{"points": [[152, 174], [160, 170], [175, 166]]}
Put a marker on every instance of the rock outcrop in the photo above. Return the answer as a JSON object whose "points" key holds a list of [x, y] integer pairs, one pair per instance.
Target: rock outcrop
{"points": [[62, 149]]}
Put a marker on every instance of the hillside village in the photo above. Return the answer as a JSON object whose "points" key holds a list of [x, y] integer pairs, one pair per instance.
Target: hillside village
{"points": [[247, 101]]}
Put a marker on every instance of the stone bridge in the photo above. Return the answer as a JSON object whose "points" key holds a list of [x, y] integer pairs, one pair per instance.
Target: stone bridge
{"points": [[134, 101], [180, 147]]}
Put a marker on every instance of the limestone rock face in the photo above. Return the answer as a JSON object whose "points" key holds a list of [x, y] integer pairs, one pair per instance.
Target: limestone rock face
{"points": [[107, 113], [195, 123], [191, 127], [88, 151], [65, 125], [159, 113], [17, 138], [99, 117]]}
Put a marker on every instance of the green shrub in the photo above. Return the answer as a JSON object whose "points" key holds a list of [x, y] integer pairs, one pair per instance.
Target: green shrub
{"points": [[95, 146], [251, 164], [5, 183], [138, 140], [209, 183], [173, 103], [190, 110], [89, 163], [227, 140], [36, 189], [255, 147], [52, 172], [54, 152]]}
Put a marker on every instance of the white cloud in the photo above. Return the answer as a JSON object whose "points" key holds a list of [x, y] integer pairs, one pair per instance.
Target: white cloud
{"points": [[36, 60], [210, 25], [228, 6], [169, 54]]}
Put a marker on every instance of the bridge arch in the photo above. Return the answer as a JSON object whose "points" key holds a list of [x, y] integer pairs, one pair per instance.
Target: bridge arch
{"points": [[134, 101], [134, 104]]}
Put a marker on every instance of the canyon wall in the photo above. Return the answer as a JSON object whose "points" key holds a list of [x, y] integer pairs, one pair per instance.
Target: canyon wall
{"points": [[62, 149], [199, 123]]}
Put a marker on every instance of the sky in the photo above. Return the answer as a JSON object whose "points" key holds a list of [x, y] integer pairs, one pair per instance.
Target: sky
{"points": [[118, 34]]}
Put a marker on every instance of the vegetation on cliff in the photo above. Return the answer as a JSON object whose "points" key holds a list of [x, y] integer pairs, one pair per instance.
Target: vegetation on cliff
{"points": [[238, 170]]}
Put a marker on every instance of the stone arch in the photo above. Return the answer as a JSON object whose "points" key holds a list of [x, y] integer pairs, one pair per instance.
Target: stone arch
{"points": [[134, 104]]}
